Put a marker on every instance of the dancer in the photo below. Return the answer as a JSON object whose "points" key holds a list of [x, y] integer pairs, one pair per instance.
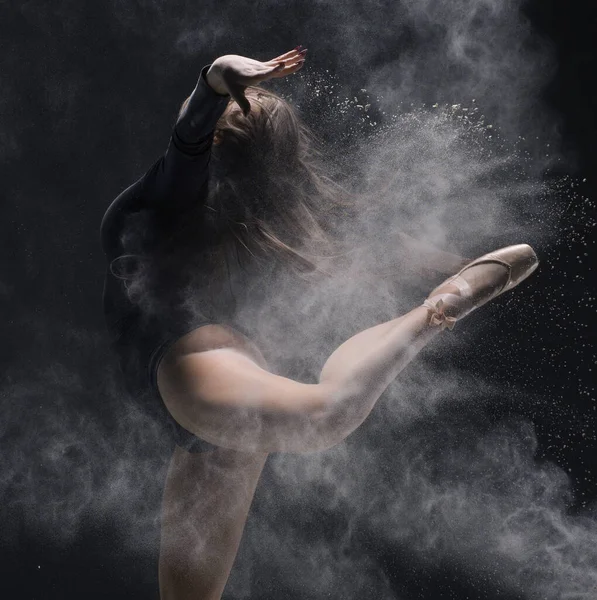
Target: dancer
{"points": [[264, 200]]}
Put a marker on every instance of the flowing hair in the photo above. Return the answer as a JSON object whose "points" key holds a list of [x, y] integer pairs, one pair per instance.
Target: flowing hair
{"points": [[269, 202], [269, 195]]}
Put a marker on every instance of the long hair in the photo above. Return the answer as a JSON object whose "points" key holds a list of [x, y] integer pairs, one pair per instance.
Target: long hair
{"points": [[269, 202], [269, 195]]}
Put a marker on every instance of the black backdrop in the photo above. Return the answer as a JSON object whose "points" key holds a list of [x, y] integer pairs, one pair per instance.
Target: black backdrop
{"points": [[70, 144]]}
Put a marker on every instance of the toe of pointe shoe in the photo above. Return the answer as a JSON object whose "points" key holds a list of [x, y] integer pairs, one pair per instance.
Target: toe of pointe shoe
{"points": [[522, 260]]}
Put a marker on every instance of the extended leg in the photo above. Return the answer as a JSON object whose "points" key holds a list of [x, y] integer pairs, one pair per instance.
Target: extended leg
{"points": [[224, 397], [377, 355]]}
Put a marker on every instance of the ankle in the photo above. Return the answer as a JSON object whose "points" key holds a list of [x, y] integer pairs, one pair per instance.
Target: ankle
{"points": [[437, 316]]}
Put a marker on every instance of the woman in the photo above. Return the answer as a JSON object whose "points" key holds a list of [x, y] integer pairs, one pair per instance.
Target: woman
{"points": [[178, 239]]}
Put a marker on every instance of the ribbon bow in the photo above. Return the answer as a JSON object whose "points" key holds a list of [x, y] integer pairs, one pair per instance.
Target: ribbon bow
{"points": [[439, 318]]}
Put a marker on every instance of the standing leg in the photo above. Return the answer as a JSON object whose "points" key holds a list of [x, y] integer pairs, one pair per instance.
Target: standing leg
{"points": [[205, 506]]}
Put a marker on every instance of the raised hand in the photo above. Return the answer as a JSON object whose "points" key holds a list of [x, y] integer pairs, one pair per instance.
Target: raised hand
{"points": [[231, 74]]}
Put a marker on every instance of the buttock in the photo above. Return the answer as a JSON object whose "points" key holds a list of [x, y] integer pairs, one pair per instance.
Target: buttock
{"points": [[138, 363]]}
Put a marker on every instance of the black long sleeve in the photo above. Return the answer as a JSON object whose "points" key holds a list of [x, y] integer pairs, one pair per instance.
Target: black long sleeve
{"points": [[138, 221], [178, 179]]}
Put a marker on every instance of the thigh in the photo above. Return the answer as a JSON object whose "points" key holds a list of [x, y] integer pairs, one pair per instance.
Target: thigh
{"points": [[206, 501]]}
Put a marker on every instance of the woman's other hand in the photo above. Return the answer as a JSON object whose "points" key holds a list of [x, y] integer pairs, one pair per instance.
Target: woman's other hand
{"points": [[231, 74]]}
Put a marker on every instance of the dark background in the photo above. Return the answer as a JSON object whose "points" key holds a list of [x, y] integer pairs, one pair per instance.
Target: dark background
{"points": [[68, 148]]}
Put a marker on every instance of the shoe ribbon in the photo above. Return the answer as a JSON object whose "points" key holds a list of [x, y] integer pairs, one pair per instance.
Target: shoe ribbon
{"points": [[438, 318]]}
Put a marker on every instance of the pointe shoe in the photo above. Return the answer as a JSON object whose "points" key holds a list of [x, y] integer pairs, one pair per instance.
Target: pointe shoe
{"points": [[446, 307]]}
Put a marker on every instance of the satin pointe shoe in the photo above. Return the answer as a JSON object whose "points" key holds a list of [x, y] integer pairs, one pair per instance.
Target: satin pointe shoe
{"points": [[447, 307]]}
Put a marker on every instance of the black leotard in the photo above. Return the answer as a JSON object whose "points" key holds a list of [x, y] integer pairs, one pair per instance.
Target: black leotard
{"points": [[176, 183]]}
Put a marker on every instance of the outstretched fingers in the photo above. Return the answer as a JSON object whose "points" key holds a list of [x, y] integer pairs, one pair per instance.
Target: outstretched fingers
{"points": [[251, 72], [286, 64], [288, 55], [288, 70]]}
